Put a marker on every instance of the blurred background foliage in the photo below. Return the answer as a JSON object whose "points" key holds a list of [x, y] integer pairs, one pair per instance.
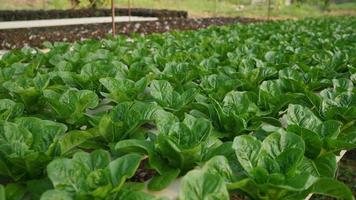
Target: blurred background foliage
{"points": [[205, 8]]}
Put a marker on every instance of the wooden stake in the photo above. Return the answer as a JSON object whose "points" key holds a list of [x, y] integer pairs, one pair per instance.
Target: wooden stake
{"points": [[113, 17], [129, 5]]}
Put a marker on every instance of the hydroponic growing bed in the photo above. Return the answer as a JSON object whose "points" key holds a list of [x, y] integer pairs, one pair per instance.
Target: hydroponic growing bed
{"points": [[260, 111]]}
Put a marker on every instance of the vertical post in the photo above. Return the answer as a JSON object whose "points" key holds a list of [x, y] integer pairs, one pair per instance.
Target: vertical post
{"points": [[113, 17], [129, 5], [216, 8], [268, 9]]}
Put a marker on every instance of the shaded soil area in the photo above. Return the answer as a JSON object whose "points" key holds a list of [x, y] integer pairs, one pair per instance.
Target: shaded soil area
{"points": [[4, 181], [237, 196], [34, 37], [13, 15], [143, 173]]}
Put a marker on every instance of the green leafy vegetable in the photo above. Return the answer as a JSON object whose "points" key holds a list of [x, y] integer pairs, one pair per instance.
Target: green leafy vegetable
{"points": [[91, 175]]}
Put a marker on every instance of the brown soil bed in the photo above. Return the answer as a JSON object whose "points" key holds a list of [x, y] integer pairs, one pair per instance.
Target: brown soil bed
{"points": [[13, 15], [34, 37]]}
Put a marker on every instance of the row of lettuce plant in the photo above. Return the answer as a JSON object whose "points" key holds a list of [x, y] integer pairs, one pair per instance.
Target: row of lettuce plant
{"points": [[262, 110]]}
